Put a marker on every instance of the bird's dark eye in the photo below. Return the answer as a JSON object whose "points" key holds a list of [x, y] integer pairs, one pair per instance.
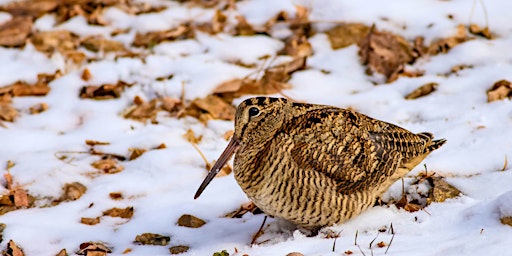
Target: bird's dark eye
{"points": [[254, 111]]}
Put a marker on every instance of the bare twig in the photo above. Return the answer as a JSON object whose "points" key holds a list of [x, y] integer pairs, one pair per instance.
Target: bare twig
{"points": [[505, 164], [355, 243], [260, 231], [393, 236], [334, 243]]}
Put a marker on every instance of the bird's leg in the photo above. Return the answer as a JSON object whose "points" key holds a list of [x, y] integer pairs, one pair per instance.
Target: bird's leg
{"points": [[259, 232]]}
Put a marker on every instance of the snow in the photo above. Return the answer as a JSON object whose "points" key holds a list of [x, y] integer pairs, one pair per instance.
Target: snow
{"points": [[161, 183]]}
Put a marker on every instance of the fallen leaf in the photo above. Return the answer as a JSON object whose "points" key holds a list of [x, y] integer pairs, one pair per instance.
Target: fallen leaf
{"points": [[177, 249], [56, 40], [294, 254], [116, 195], [86, 74], [190, 221], [90, 221], [13, 249], [478, 31], [222, 253], [35, 9], [38, 108], [103, 92], [445, 44], [385, 53], [349, 252], [381, 244], [150, 39], [298, 47], [20, 197], [14, 32], [347, 34], [161, 146], [125, 213], [191, 137], [215, 106], [227, 135], [62, 252], [243, 28], [93, 248], [73, 191], [152, 239], [500, 90], [136, 152], [98, 43], [507, 220], [441, 190], [421, 91], [108, 165], [7, 112]]}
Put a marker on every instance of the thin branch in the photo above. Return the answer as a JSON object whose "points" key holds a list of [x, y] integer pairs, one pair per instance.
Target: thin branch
{"points": [[393, 236]]}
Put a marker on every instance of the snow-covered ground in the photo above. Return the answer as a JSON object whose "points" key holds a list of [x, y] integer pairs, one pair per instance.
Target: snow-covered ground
{"points": [[160, 184]]}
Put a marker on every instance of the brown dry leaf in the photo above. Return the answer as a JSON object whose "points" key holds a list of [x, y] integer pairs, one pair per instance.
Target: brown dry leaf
{"points": [[103, 92], [86, 75], [98, 43], [7, 112], [190, 221], [347, 34], [35, 9], [444, 45], [231, 85], [227, 135], [136, 152], [385, 53], [478, 31], [38, 108], [93, 248], [90, 221], [116, 195], [51, 41], [349, 252], [294, 254], [507, 220], [161, 146], [152, 239], [22, 88], [13, 249], [95, 142], [73, 191], [500, 90], [20, 197], [298, 47], [460, 67], [191, 137], [421, 91], [381, 244], [215, 106], [150, 39], [14, 33], [108, 165], [177, 249], [243, 28], [62, 252], [142, 111], [125, 213], [441, 190]]}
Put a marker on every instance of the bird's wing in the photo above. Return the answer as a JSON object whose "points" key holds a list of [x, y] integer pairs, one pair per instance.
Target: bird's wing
{"points": [[355, 151]]}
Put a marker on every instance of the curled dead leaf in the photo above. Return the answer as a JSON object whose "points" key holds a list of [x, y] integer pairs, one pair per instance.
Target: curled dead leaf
{"points": [[215, 106], [191, 137], [34, 9], [190, 221], [125, 213], [500, 90], [73, 191], [385, 53], [108, 165], [38, 108], [14, 32], [421, 91], [177, 249], [90, 221], [150, 39], [86, 74], [7, 112], [103, 92], [62, 252], [136, 152], [98, 43], [445, 44], [116, 195], [478, 31], [93, 248], [152, 239], [347, 34], [58, 40], [13, 249], [95, 142]]}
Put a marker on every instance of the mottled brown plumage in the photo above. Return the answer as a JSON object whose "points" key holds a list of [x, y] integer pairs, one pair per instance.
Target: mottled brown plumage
{"points": [[317, 165]]}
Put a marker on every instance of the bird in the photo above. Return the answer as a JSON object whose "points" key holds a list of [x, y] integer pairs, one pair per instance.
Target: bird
{"points": [[316, 165]]}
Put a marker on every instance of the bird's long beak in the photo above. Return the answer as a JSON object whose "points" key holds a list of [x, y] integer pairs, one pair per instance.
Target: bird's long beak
{"points": [[233, 145]]}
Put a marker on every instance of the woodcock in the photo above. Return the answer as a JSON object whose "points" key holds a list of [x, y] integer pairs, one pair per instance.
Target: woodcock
{"points": [[316, 165]]}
